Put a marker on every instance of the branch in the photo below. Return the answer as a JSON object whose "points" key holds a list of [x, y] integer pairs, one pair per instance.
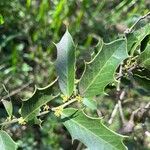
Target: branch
{"points": [[113, 114], [42, 113], [129, 126], [64, 105], [120, 97], [127, 31]]}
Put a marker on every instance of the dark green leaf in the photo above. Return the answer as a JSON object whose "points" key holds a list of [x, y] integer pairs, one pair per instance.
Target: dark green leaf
{"points": [[100, 71], [31, 107], [135, 38], [65, 64], [144, 58], [91, 132]]}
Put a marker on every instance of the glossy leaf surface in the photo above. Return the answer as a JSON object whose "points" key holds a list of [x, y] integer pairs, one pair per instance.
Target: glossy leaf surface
{"points": [[91, 131], [65, 64], [41, 96], [100, 71]]}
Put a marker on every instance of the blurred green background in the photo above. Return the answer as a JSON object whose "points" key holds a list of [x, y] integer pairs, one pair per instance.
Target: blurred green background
{"points": [[27, 53]]}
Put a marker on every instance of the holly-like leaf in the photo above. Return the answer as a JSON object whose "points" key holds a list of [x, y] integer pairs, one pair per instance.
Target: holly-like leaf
{"points": [[100, 71], [41, 96], [6, 142], [91, 132], [135, 38], [65, 64], [144, 58], [8, 106]]}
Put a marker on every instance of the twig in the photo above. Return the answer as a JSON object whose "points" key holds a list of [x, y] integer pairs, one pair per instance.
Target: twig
{"points": [[119, 80], [9, 122], [64, 105], [113, 114], [129, 126], [141, 18], [40, 114], [99, 113], [79, 146], [121, 112], [120, 98], [144, 110]]}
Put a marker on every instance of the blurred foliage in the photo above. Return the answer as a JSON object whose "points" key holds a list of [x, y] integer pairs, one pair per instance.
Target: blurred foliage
{"points": [[28, 29]]}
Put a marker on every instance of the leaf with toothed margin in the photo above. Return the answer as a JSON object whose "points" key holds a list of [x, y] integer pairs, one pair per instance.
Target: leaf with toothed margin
{"points": [[31, 107], [65, 64], [135, 38], [142, 79], [6, 142], [91, 131], [144, 57], [100, 71]]}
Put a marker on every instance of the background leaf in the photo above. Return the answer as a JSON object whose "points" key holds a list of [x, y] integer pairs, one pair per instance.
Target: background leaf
{"points": [[6, 142], [65, 64], [135, 38], [41, 96], [144, 58], [8, 106], [100, 71], [91, 132]]}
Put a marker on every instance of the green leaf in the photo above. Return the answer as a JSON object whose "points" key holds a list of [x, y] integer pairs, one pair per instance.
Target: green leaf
{"points": [[8, 106], [90, 103], [90, 131], [135, 38], [31, 107], [1, 19], [6, 142], [144, 58], [100, 71], [65, 64]]}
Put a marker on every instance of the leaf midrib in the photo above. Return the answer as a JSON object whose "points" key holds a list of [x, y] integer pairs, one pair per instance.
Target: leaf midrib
{"points": [[100, 69], [90, 132]]}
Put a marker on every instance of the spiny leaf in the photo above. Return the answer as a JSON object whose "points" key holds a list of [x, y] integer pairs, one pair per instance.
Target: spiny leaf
{"points": [[8, 106], [91, 132], [135, 38], [31, 107], [6, 142], [144, 58], [65, 64], [100, 71]]}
